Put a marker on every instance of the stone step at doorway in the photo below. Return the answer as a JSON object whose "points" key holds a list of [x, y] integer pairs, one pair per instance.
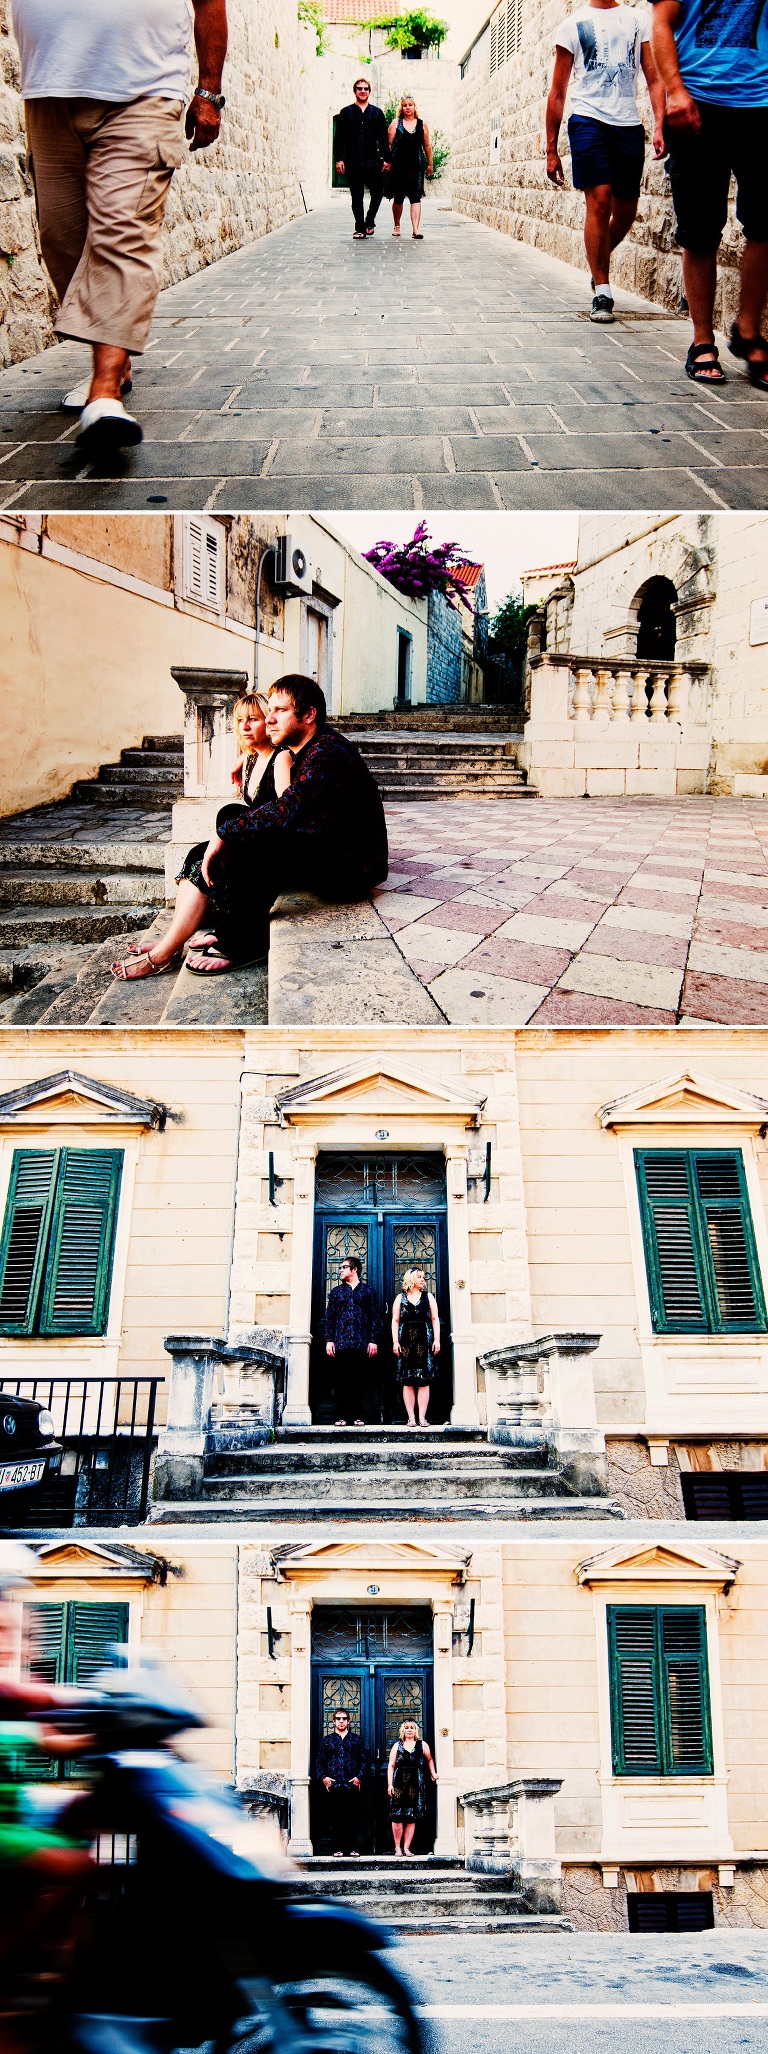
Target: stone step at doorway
{"points": [[423, 1894], [463, 720]]}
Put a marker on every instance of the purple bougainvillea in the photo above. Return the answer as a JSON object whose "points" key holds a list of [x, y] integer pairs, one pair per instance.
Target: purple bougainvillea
{"points": [[420, 566]]}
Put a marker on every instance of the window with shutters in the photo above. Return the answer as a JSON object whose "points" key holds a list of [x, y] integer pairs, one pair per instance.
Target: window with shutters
{"points": [[701, 1258], [58, 1241], [68, 1643], [660, 1715], [203, 544]]}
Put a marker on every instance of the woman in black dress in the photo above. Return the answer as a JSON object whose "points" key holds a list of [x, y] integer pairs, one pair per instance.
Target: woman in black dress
{"points": [[410, 152], [258, 775], [409, 1770], [415, 1343]]}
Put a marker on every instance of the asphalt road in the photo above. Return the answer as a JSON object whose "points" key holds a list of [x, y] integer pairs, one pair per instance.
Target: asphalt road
{"points": [[591, 1993]]}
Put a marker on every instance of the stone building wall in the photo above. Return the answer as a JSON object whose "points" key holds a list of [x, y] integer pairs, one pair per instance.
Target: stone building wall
{"points": [[510, 192], [222, 198], [444, 651], [593, 1909]]}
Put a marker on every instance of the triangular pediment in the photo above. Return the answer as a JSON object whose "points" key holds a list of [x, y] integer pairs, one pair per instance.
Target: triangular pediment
{"points": [[665, 1562], [686, 1099], [371, 1557], [69, 1096], [381, 1087], [66, 1558]]}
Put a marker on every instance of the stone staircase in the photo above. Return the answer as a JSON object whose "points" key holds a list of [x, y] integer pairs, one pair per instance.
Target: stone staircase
{"points": [[150, 776], [423, 1894], [384, 1472], [413, 766]]}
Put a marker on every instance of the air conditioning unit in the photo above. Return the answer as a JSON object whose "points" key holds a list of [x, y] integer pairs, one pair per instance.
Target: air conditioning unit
{"points": [[293, 570]]}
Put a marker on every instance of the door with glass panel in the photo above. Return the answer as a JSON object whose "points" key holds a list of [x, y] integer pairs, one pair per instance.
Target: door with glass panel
{"points": [[377, 1666], [389, 1211]]}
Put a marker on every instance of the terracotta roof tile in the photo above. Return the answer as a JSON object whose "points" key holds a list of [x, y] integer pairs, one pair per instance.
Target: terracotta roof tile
{"points": [[468, 574], [352, 10]]}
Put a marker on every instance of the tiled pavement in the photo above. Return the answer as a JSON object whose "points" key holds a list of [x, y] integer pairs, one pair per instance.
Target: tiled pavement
{"points": [[595, 912], [309, 371]]}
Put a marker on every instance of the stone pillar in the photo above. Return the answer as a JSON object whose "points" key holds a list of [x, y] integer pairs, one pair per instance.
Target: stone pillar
{"points": [[210, 751], [297, 1411], [574, 1434], [179, 1462], [301, 1767], [446, 1842], [537, 1868], [465, 1407]]}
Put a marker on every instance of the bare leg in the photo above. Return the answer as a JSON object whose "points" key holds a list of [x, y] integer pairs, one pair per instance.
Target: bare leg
{"points": [[415, 216], [597, 231], [408, 1836], [700, 278], [754, 291], [111, 367], [189, 910], [422, 1400], [397, 215], [397, 1835], [623, 213], [409, 1401]]}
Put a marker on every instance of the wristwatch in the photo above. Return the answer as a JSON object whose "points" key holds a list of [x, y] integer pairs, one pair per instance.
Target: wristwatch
{"points": [[216, 99]]}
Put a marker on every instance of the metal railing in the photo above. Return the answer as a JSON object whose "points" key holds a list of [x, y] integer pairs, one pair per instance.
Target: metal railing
{"points": [[107, 1427]]}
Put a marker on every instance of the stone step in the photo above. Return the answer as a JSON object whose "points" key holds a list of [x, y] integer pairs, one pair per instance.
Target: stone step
{"points": [[136, 776], [411, 794], [135, 857], [417, 1460], [424, 719], [395, 1435], [220, 1496], [171, 760], [66, 887], [127, 793], [59, 925], [241, 1477]]}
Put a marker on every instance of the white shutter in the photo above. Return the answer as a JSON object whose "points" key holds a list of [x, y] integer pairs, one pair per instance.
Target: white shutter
{"points": [[203, 554]]}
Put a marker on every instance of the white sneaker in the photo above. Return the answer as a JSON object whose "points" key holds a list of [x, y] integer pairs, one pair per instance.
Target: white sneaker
{"points": [[74, 401], [105, 426]]}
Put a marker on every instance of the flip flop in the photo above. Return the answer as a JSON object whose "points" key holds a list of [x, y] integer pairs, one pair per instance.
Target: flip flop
{"points": [[213, 962]]}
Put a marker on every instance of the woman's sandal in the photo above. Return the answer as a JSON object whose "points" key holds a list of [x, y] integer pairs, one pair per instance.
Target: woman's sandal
{"points": [[138, 963], [212, 961], [703, 365], [757, 369]]}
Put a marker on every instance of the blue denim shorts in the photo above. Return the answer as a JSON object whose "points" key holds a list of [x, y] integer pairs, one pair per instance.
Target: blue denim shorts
{"points": [[604, 155]]}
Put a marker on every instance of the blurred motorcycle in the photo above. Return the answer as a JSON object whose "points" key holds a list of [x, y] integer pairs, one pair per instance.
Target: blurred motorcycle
{"points": [[189, 1935]]}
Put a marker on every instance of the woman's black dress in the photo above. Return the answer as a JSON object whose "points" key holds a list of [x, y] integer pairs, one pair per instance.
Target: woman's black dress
{"points": [[251, 795], [406, 177], [415, 1363], [409, 1785]]}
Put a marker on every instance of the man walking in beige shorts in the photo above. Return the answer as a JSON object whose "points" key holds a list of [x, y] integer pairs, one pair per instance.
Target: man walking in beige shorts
{"points": [[104, 85]]}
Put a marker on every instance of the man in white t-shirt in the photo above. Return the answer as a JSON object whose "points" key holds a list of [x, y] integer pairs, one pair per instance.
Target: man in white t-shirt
{"points": [[104, 87], [600, 51]]}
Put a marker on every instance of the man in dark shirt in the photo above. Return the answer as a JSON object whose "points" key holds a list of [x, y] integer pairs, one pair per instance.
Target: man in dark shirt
{"points": [[351, 1326], [326, 834], [339, 1767], [362, 145]]}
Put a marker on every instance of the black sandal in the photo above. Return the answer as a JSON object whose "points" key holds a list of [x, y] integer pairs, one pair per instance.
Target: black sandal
{"points": [[213, 962], [757, 369], [713, 374]]}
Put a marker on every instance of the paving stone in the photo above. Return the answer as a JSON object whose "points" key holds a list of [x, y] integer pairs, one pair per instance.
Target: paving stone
{"points": [[724, 999], [477, 998], [607, 977]]}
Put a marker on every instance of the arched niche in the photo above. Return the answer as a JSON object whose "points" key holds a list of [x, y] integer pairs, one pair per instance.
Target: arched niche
{"points": [[654, 610]]}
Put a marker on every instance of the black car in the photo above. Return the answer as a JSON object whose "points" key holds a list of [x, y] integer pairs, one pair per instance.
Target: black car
{"points": [[29, 1450]]}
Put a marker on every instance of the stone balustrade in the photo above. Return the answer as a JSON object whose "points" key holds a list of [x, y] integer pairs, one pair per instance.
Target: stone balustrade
{"points": [[222, 1397], [542, 1398], [607, 725], [510, 1831]]}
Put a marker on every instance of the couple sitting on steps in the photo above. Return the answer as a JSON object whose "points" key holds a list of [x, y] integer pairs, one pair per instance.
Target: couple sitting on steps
{"points": [[308, 817]]}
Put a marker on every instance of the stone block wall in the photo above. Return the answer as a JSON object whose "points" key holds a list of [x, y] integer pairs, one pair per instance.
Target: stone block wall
{"points": [[221, 199], [444, 652], [512, 193], [593, 1909]]}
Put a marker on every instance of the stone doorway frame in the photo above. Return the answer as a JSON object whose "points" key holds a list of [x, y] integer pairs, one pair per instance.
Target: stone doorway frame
{"points": [[389, 1573]]}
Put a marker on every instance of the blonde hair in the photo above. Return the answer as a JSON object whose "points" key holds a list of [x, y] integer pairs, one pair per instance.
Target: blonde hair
{"points": [[240, 711], [407, 100], [409, 1278], [408, 1722]]}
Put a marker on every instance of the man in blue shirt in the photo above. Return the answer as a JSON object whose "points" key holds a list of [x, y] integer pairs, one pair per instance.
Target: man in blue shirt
{"points": [[712, 56], [351, 1326]]}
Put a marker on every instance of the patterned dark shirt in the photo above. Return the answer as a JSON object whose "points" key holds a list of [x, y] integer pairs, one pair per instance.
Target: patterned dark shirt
{"points": [[351, 1319], [340, 1755], [362, 137], [331, 793]]}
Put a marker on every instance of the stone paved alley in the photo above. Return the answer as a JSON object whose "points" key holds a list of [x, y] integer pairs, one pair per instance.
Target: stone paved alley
{"points": [[311, 371], [594, 912]]}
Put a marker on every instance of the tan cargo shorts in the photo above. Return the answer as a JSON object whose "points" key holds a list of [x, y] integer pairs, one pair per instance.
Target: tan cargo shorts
{"points": [[102, 173]]}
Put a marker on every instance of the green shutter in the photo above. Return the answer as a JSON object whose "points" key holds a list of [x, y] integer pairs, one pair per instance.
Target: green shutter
{"points": [[685, 1697], [729, 1238], [635, 1719], [701, 1258], [25, 1236], [660, 1713], [93, 1631], [75, 1296], [45, 1638]]}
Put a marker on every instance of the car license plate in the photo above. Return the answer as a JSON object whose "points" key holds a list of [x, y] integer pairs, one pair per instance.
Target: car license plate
{"points": [[14, 1474]]}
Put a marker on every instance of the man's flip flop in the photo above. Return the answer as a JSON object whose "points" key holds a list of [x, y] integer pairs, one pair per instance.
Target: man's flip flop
{"points": [[703, 365], [757, 369]]}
